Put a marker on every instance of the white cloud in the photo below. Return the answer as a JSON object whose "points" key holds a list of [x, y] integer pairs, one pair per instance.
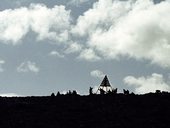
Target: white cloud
{"points": [[101, 16], [74, 47], [138, 29], [89, 55], [1, 63], [77, 2], [48, 23], [56, 53], [97, 74], [9, 95], [28, 67], [55, 25], [13, 27], [147, 84]]}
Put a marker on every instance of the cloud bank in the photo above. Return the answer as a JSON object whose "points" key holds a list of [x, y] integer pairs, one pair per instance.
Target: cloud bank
{"points": [[147, 84], [137, 29], [111, 29], [48, 23]]}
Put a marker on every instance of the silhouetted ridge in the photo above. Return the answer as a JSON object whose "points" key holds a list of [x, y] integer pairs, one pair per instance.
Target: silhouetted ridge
{"points": [[94, 111]]}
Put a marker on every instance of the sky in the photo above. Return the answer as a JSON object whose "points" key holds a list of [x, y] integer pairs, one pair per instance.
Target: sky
{"points": [[61, 45]]}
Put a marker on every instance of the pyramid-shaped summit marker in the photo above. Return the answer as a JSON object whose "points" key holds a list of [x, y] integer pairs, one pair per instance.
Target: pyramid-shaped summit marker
{"points": [[105, 86], [105, 82]]}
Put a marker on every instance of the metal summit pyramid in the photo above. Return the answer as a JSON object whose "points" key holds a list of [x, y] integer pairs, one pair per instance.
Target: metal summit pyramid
{"points": [[105, 82], [105, 85]]}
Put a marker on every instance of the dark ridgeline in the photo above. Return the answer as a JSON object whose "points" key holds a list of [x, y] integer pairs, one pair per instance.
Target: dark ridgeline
{"points": [[108, 109]]}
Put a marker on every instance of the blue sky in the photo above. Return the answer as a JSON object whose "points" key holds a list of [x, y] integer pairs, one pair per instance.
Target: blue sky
{"points": [[61, 45]]}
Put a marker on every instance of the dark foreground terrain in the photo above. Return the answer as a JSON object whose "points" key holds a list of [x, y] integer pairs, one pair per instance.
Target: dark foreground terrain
{"points": [[96, 111]]}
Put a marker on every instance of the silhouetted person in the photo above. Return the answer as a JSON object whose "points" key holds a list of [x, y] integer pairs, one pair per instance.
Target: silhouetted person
{"points": [[158, 91], [58, 93], [69, 92], [74, 92], [91, 91], [102, 91], [126, 92], [165, 92], [114, 91], [109, 92], [52, 95], [132, 93]]}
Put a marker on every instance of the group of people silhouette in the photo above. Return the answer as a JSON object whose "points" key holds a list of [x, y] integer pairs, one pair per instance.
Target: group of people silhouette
{"points": [[104, 88], [69, 93], [101, 92], [111, 91]]}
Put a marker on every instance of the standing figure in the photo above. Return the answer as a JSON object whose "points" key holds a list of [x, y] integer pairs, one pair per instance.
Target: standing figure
{"points": [[91, 91], [102, 91]]}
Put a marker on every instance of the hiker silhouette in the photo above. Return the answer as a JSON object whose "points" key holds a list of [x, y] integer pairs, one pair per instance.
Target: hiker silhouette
{"points": [[52, 95], [102, 91], [58, 93], [114, 91], [91, 91], [126, 92]]}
